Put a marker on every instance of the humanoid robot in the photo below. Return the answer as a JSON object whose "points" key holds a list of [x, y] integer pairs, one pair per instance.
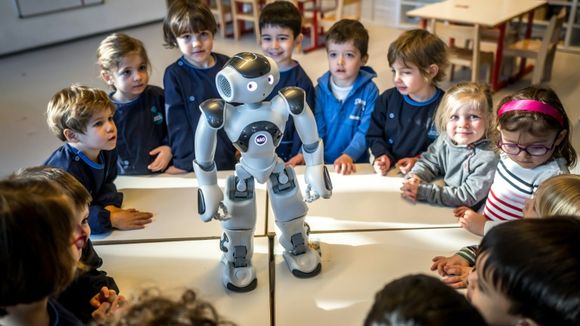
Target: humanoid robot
{"points": [[256, 128]]}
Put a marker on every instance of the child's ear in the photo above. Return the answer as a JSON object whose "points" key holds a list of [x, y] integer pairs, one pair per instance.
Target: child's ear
{"points": [[433, 70], [107, 78], [364, 59], [561, 136], [70, 135], [298, 40]]}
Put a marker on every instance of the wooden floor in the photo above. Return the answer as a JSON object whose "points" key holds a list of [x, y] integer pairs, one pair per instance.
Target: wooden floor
{"points": [[28, 80]]}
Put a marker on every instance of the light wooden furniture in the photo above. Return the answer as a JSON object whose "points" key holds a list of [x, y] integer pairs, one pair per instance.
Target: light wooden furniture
{"points": [[350, 9], [542, 51], [462, 56], [479, 14], [222, 12], [246, 11]]}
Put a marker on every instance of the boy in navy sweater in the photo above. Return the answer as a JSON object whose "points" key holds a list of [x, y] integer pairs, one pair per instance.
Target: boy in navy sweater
{"points": [[83, 118]]}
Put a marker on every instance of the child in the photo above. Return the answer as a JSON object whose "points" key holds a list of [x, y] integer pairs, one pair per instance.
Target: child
{"points": [[536, 281], [534, 135], [83, 118], [142, 142], [190, 26], [462, 153], [77, 296], [402, 124], [280, 28], [345, 97], [559, 195], [421, 300]]}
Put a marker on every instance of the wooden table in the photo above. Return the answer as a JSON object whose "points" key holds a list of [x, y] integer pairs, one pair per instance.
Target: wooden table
{"points": [[482, 13]]}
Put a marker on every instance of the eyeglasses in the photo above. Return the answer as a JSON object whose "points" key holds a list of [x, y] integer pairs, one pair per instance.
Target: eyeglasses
{"points": [[533, 150]]}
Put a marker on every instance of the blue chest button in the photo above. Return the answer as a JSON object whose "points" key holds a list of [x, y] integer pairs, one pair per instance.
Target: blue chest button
{"points": [[391, 140], [192, 98], [391, 115]]}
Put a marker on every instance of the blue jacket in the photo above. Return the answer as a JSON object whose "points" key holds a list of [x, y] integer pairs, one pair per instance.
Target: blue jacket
{"points": [[343, 125], [141, 128], [96, 177], [291, 144], [186, 87]]}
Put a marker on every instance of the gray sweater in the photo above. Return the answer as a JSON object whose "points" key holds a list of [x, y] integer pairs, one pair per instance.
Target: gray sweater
{"points": [[468, 172]]}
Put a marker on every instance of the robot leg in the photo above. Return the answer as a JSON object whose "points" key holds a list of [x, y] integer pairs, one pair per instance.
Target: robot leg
{"points": [[237, 241], [290, 211]]}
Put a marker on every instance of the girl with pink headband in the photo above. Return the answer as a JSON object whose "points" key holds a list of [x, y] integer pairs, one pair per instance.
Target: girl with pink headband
{"points": [[533, 136]]}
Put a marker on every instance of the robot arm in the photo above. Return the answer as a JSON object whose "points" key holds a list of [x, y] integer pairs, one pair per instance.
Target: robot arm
{"points": [[209, 195], [317, 179]]}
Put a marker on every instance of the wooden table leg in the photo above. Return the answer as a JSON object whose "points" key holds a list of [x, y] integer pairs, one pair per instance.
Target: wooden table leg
{"points": [[495, 80], [476, 45]]}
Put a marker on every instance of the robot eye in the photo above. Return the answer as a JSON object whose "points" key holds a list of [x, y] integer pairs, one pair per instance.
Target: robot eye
{"points": [[270, 79], [252, 86]]}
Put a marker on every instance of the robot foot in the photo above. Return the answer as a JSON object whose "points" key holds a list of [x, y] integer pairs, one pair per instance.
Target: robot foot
{"points": [[305, 265], [239, 279]]}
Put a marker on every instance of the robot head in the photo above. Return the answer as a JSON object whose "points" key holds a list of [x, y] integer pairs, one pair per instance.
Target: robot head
{"points": [[247, 78]]}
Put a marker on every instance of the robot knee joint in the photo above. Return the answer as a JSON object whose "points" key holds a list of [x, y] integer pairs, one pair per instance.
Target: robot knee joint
{"points": [[282, 182], [240, 190]]}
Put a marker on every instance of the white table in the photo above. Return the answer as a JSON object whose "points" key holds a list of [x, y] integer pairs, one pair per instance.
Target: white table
{"points": [[355, 265], [173, 201], [174, 266], [481, 13], [367, 201]]}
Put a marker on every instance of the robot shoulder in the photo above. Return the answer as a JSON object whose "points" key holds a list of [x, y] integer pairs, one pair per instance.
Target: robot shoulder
{"points": [[213, 110], [295, 97]]}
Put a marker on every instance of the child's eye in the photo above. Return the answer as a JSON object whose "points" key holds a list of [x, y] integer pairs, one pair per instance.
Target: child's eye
{"points": [[332, 55], [453, 117], [203, 36], [125, 73], [143, 67], [266, 38], [283, 38], [98, 124], [474, 117], [84, 221], [349, 55]]}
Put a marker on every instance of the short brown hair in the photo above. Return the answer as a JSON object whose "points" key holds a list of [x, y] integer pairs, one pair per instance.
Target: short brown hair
{"points": [[349, 30], [422, 49], [187, 16], [36, 224], [73, 107]]}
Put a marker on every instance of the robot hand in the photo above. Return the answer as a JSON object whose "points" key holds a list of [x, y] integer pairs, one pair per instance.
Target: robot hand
{"points": [[318, 183], [210, 203]]}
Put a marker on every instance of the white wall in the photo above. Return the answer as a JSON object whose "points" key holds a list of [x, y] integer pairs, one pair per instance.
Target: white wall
{"points": [[18, 34]]}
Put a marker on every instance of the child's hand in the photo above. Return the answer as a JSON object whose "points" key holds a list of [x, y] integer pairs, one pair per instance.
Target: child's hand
{"points": [[457, 276], [382, 164], [296, 160], [129, 219], [344, 165], [107, 303], [406, 164], [440, 263], [163, 158], [410, 188], [473, 222], [173, 170], [460, 211]]}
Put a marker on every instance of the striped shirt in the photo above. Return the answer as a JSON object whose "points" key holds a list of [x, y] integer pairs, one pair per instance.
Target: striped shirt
{"points": [[513, 184]]}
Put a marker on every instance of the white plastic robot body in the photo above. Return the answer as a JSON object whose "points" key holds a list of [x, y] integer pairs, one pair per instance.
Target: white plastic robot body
{"points": [[256, 128]]}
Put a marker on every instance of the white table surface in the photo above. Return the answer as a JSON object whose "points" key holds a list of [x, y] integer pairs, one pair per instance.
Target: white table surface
{"points": [[481, 12], [367, 201], [174, 266], [355, 265], [173, 201]]}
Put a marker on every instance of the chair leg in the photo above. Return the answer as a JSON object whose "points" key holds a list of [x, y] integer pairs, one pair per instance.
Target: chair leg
{"points": [[538, 73], [549, 65], [451, 72]]}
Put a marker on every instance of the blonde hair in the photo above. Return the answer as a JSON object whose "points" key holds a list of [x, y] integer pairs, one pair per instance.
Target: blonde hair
{"points": [[559, 195], [115, 47], [73, 107], [475, 95]]}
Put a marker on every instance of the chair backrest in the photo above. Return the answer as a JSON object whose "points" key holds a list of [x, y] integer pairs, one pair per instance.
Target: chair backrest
{"points": [[446, 31], [340, 12], [552, 34]]}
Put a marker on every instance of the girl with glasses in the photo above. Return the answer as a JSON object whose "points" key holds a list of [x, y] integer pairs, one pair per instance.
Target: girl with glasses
{"points": [[533, 135]]}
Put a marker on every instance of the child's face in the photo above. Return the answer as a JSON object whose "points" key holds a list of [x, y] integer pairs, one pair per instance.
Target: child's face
{"points": [[515, 139], [278, 43], [344, 61], [465, 125], [130, 78], [81, 233], [409, 81], [196, 48], [101, 133], [492, 304]]}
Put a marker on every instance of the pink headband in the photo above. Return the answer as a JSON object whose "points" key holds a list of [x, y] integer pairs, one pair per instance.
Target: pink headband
{"points": [[531, 106]]}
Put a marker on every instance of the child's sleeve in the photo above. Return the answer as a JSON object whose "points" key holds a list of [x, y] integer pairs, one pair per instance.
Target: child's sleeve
{"points": [[428, 166], [179, 130], [472, 190], [359, 145], [468, 253], [99, 217], [319, 115], [376, 137]]}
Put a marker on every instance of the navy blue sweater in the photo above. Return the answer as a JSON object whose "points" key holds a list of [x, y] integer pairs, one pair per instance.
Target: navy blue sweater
{"points": [[401, 127], [186, 87], [96, 177]]}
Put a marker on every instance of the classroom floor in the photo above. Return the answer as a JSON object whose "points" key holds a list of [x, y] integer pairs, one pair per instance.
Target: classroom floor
{"points": [[28, 80]]}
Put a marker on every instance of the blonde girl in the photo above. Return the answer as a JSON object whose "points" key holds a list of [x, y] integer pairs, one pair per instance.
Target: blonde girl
{"points": [[533, 134], [142, 143], [462, 154]]}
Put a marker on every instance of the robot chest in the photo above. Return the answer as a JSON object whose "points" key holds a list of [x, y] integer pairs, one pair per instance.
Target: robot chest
{"points": [[259, 134]]}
